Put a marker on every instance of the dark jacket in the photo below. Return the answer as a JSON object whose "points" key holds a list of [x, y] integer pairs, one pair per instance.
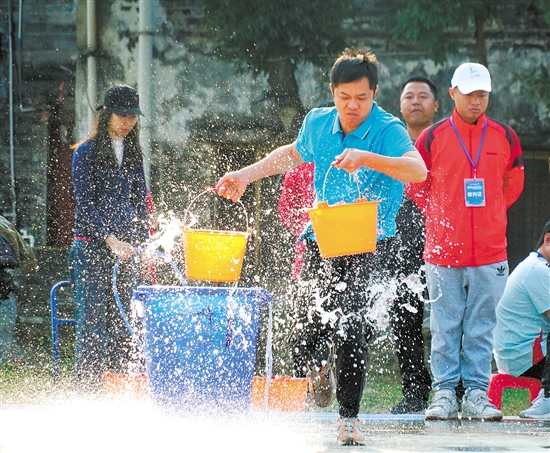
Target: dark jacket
{"points": [[109, 200]]}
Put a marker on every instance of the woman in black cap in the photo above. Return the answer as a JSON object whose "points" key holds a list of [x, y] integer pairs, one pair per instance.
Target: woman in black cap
{"points": [[111, 219]]}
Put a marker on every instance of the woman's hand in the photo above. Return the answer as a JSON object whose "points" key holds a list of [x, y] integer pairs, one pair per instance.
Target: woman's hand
{"points": [[123, 250]]}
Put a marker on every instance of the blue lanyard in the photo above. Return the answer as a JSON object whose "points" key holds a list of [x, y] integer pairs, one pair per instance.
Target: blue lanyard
{"points": [[472, 163]]}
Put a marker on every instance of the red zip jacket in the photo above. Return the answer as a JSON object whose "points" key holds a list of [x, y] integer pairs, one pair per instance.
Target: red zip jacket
{"points": [[297, 195], [457, 235]]}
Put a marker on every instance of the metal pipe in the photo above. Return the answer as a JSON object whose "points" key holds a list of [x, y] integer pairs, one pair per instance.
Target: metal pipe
{"points": [[145, 75], [13, 213], [19, 64], [91, 61], [19, 51]]}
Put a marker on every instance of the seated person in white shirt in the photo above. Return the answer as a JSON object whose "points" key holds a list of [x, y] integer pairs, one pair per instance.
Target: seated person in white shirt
{"points": [[523, 319]]}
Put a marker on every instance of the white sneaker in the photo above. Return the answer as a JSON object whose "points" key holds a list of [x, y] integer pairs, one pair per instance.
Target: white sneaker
{"points": [[476, 406], [349, 431], [540, 408], [443, 407]]}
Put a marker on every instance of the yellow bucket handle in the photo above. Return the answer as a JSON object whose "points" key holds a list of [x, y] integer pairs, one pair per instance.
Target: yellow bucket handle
{"points": [[325, 182], [211, 190]]}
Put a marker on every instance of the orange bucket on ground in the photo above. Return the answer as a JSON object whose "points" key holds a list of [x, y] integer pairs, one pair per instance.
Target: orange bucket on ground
{"points": [[125, 384], [285, 394], [345, 229], [213, 255]]}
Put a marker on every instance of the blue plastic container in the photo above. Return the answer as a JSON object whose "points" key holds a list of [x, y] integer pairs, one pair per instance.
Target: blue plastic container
{"points": [[200, 344]]}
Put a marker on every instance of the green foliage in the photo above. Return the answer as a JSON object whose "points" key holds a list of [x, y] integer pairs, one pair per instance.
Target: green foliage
{"points": [[25, 381], [429, 24], [253, 33], [514, 401], [536, 84], [544, 6], [425, 23]]}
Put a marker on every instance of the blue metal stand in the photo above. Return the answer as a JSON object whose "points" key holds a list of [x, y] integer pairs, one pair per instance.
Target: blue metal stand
{"points": [[56, 322]]}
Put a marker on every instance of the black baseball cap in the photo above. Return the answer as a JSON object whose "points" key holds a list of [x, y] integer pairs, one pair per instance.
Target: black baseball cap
{"points": [[122, 100]]}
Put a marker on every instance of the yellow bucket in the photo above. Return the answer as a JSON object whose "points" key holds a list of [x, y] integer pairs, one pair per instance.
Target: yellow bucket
{"points": [[214, 255], [344, 229]]}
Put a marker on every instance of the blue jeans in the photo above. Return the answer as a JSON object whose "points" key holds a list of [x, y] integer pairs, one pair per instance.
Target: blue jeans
{"points": [[103, 342], [463, 303]]}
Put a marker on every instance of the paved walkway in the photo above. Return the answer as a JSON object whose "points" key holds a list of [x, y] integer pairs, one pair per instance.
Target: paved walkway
{"points": [[105, 425], [413, 434]]}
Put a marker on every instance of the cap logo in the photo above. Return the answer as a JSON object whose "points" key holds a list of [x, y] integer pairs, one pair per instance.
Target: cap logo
{"points": [[474, 73]]}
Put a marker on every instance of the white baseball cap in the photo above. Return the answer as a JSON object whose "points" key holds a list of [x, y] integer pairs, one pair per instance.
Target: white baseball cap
{"points": [[469, 77]]}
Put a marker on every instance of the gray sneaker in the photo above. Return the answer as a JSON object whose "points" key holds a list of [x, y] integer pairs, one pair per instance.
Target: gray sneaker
{"points": [[476, 406], [349, 431], [443, 407], [540, 408]]}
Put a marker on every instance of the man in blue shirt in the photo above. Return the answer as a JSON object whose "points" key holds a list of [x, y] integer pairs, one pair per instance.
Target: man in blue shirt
{"points": [[337, 294], [523, 324]]}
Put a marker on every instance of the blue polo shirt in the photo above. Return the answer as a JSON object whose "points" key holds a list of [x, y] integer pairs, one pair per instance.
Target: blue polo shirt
{"points": [[321, 139]]}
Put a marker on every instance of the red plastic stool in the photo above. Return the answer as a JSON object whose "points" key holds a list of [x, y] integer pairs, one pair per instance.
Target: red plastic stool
{"points": [[499, 382]]}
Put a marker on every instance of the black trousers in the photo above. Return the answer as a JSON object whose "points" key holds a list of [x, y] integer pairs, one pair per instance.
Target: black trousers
{"points": [[406, 317], [541, 370], [332, 314], [407, 311]]}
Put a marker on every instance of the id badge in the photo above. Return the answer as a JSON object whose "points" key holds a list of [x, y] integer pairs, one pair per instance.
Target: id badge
{"points": [[474, 192]]}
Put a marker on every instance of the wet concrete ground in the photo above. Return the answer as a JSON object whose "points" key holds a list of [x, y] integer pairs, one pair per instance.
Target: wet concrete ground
{"points": [[414, 434], [104, 426]]}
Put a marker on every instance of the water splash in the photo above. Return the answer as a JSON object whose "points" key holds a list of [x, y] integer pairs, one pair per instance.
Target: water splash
{"points": [[381, 295], [122, 424], [169, 228]]}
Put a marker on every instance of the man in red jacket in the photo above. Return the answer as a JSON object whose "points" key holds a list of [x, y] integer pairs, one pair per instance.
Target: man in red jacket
{"points": [[475, 174]]}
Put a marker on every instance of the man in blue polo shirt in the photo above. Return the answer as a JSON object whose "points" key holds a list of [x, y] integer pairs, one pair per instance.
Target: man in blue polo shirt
{"points": [[373, 156]]}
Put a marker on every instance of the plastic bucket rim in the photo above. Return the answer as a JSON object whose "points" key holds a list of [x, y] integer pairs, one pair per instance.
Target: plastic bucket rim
{"points": [[186, 229]]}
